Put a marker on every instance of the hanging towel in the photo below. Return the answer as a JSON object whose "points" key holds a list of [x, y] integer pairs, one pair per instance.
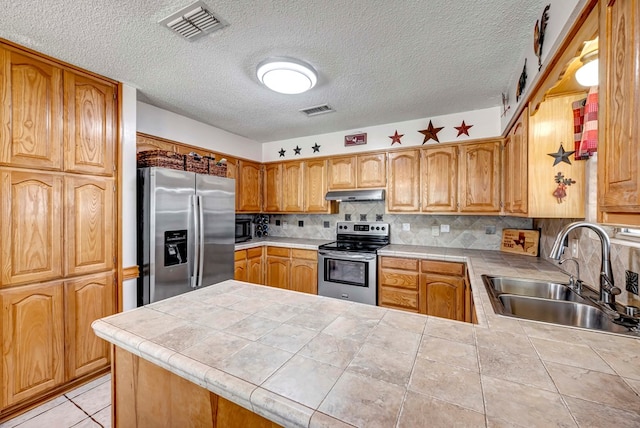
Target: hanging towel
{"points": [[578, 124], [589, 139]]}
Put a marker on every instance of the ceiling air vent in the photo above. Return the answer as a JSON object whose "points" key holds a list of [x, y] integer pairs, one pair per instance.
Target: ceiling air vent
{"points": [[314, 111], [194, 21]]}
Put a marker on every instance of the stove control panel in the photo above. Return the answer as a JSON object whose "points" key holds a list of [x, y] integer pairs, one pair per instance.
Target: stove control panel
{"points": [[363, 228]]}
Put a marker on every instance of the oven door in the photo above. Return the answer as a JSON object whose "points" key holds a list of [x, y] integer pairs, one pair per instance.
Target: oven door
{"points": [[348, 276]]}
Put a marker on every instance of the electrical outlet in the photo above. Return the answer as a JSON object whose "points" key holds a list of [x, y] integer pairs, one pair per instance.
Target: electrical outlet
{"points": [[277, 222], [632, 281], [573, 247], [300, 223], [406, 227], [284, 224], [489, 230], [435, 231], [326, 225], [347, 217], [444, 228]]}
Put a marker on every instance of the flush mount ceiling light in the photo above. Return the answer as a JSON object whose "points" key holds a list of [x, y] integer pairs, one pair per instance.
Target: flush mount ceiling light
{"points": [[286, 75], [587, 74]]}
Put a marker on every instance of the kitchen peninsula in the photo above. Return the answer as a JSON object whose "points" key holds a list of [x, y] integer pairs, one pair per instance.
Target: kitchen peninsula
{"points": [[236, 352]]}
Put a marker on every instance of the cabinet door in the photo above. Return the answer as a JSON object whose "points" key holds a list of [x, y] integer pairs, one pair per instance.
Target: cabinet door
{"points": [[619, 146], [255, 270], [31, 97], [90, 125], [232, 172], [304, 271], [514, 171], [292, 187], [240, 265], [372, 170], [403, 181], [86, 300], [342, 173], [315, 178], [89, 224], [147, 142], [479, 189], [31, 226], [249, 179], [273, 187], [278, 269], [442, 296], [32, 340], [439, 171]]}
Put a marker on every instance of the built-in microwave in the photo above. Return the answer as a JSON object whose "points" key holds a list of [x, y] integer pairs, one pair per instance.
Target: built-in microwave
{"points": [[243, 230]]}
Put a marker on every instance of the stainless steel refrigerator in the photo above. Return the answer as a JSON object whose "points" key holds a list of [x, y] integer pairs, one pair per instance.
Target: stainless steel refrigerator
{"points": [[186, 232]]}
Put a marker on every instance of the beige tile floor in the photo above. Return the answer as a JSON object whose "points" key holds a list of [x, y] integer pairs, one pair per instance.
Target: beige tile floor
{"points": [[88, 406]]}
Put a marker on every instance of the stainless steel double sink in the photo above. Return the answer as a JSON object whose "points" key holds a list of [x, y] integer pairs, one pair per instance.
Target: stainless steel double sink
{"points": [[550, 302]]}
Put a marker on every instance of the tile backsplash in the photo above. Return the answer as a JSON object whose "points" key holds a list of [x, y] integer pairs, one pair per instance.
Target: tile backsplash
{"points": [[623, 256], [464, 231]]}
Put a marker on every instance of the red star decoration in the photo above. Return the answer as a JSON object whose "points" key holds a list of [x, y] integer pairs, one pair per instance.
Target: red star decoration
{"points": [[463, 129], [395, 138], [431, 133]]}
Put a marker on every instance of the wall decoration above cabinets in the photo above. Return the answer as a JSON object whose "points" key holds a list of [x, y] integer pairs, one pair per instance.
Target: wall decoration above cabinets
{"points": [[282, 152], [297, 150], [431, 133], [538, 34], [395, 138], [355, 139], [463, 129], [522, 81], [316, 148]]}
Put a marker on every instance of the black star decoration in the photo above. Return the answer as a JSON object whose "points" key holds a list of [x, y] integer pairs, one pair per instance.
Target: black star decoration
{"points": [[316, 148], [282, 151], [297, 150], [561, 156], [431, 133]]}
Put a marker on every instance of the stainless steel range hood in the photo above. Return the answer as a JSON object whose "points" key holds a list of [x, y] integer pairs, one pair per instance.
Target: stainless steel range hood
{"points": [[356, 195]]}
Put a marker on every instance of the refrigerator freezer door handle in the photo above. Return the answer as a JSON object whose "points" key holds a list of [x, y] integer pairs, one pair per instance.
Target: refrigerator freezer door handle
{"points": [[196, 236], [200, 241]]}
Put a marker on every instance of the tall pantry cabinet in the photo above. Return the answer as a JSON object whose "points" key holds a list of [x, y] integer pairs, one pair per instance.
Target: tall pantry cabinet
{"points": [[58, 236]]}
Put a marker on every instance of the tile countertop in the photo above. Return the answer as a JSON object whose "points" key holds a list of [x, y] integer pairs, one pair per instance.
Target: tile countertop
{"points": [[303, 360], [275, 241]]}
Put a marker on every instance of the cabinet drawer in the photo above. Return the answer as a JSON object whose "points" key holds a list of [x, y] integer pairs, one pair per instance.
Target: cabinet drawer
{"points": [[398, 263], [304, 254], [278, 251], [445, 268], [240, 255], [406, 280], [401, 299], [254, 252]]}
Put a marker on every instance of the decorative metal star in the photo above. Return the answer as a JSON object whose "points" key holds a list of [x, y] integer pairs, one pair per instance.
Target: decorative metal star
{"points": [[561, 156], [431, 133], [316, 148], [463, 129], [395, 138], [282, 151], [297, 150]]}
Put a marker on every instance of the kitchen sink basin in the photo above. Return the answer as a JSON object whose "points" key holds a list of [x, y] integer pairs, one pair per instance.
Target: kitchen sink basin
{"points": [[559, 312], [531, 288]]}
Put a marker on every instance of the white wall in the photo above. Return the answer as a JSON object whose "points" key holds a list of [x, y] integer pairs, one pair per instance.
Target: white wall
{"points": [[128, 191], [562, 15], [162, 123], [486, 123]]}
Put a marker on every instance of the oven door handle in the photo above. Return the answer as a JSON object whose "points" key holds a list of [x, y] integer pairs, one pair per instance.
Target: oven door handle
{"points": [[347, 256]]}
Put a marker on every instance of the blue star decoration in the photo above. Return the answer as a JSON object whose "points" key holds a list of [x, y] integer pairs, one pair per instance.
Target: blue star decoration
{"points": [[561, 156], [282, 151], [316, 148], [297, 150]]}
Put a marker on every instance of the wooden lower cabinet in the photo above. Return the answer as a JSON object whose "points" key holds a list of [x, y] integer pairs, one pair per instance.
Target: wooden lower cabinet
{"points": [[240, 265], [249, 266], [32, 340], [146, 395], [424, 286], [292, 269]]}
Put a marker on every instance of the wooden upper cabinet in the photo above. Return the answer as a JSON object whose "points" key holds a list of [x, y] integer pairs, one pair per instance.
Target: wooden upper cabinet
{"points": [[149, 142], [403, 182], [30, 226], [86, 300], [32, 340], [248, 180], [32, 108], [90, 125], [515, 169], [342, 172], [619, 130], [315, 186], [372, 170], [439, 171], [292, 186], [272, 187], [479, 186], [89, 224]]}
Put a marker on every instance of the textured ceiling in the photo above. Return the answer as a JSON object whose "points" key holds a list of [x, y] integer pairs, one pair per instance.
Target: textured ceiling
{"points": [[379, 61]]}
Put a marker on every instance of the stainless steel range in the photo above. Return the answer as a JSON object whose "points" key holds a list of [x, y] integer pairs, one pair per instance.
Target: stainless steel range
{"points": [[347, 268]]}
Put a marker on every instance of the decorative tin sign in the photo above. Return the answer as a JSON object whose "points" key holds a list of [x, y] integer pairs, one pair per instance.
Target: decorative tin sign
{"points": [[355, 139], [520, 241]]}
